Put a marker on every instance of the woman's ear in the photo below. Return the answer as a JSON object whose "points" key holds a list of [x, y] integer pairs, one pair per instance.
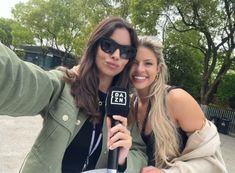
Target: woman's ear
{"points": [[159, 68]]}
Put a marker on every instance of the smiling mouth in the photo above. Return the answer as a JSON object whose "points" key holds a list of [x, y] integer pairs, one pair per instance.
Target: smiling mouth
{"points": [[139, 77]]}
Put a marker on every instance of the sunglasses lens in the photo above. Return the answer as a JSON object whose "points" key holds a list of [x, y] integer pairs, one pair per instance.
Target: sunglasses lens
{"points": [[107, 46], [127, 52]]}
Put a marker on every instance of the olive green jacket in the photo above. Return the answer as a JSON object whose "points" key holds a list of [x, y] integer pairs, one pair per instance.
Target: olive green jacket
{"points": [[26, 89]]}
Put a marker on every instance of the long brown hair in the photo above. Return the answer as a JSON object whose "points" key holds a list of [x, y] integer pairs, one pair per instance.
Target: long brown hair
{"points": [[85, 88]]}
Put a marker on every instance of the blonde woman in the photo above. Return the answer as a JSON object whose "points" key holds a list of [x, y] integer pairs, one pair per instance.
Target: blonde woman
{"points": [[178, 137]]}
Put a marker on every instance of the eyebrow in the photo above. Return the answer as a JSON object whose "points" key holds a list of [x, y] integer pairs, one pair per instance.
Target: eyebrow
{"points": [[146, 60]]}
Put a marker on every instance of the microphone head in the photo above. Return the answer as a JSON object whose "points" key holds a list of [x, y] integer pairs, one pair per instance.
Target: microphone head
{"points": [[117, 102]]}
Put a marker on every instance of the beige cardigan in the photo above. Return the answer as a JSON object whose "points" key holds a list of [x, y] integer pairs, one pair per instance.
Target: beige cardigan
{"points": [[202, 153]]}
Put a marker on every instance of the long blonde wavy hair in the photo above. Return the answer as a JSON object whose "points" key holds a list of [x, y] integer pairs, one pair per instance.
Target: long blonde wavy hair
{"points": [[164, 130]]}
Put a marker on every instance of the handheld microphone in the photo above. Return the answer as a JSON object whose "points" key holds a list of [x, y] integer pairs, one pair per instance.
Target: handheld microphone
{"points": [[117, 103]]}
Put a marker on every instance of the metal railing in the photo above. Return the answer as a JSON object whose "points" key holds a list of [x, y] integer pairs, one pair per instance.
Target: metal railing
{"points": [[219, 114]]}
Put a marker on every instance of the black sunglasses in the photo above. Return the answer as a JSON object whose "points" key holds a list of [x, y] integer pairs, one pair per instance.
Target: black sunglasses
{"points": [[110, 46]]}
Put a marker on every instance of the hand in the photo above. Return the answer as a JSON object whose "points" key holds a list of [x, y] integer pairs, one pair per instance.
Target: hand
{"points": [[75, 70], [72, 73], [151, 169], [119, 136]]}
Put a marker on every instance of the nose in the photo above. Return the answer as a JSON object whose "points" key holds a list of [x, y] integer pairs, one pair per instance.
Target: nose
{"points": [[140, 67], [116, 54]]}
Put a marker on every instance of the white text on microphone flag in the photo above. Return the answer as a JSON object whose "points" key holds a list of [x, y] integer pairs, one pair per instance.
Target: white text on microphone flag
{"points": [[118, 98]]}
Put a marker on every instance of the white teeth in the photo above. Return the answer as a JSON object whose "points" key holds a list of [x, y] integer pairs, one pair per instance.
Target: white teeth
{"points": [[139, 77]]}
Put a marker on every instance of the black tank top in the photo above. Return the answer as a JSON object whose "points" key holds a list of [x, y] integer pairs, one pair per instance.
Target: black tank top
{"points": [[150, 149], [150, 141]]}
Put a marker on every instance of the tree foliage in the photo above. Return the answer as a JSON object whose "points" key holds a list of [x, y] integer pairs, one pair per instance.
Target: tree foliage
{"points": [[65, 24], [21, 35], [225, 93], [53, 23], [145, 15], [185, 64], [214, 22], [12, 34], [5, 32]]}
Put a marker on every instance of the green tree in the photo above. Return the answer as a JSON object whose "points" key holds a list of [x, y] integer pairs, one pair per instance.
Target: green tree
{"points": [[13, 34], [145, 16], [53, 23], [184, 63], [213, 20], [226, 94], [5, 32], [65, 24], [21, 35]]}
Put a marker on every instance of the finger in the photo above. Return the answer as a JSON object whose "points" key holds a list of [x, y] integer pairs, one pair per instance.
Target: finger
{"points": [[122, 144], [119, 136], [123, 120], [119, 128], [120, 140]]}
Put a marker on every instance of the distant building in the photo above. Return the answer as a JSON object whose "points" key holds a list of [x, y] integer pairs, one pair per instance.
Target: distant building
{"points": [[46, 57]]}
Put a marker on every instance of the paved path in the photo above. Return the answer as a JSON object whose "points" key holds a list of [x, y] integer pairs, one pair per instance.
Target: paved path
{"points": [[228, 151], [18, 134], [16, 138]]}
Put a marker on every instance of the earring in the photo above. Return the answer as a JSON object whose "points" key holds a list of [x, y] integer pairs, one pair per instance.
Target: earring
{"points": [[156, 77]]}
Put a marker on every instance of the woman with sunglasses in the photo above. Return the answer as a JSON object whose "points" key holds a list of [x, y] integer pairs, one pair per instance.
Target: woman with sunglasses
{"points": [[74, 137], [178, 137]]}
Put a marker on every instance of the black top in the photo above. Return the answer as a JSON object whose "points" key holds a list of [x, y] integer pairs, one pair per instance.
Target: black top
{"points": [[150, 149], [77, 153], [149, 139]]}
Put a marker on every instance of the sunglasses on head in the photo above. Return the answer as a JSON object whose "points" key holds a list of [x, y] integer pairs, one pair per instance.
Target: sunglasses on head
{"points": [[110, 46]]}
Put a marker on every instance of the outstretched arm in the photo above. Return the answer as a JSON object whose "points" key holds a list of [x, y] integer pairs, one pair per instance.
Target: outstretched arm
{"points": [[25, 89]]}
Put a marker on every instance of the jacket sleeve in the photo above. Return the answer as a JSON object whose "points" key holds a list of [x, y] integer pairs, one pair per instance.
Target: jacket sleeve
{"points": [[206, 164], [137, 157], [201, 154], [25, 89]]}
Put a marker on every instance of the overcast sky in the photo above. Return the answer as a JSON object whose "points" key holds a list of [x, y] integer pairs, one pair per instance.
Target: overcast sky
{"points": [[6, 5]]}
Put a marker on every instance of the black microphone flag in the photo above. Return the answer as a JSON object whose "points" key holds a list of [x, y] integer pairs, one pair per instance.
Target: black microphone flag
{"points": [[117, 103]]}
